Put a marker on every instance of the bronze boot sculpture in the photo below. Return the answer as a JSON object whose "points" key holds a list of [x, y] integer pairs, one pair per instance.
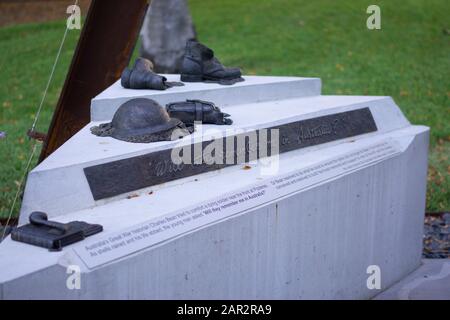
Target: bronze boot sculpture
{"points": [[141, 76], [200, 65]]}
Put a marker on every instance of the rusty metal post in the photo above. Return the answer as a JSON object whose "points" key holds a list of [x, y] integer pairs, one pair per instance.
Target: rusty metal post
{"points": [[106, 43]]}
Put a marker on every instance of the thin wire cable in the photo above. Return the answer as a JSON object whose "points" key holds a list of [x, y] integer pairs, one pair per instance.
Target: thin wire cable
{"points": [[44, 96], [19, 188], [38, 113]]}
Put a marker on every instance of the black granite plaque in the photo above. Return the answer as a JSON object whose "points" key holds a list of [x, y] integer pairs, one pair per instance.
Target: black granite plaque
{"points": [[121, 176]]}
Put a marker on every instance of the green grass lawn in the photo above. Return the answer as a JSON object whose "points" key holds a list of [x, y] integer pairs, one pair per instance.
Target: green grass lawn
{"points": [[408, 59]]}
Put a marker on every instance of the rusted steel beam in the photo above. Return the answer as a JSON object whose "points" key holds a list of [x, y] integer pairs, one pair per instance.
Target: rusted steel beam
{"points": [[106, 43]]}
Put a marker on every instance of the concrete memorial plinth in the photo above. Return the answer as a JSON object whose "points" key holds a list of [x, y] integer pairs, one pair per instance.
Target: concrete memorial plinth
{"points": [[254, 89], [348, 193]]}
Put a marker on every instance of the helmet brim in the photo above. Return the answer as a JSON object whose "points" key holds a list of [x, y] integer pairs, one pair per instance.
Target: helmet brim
{"points": [[150, 134]]}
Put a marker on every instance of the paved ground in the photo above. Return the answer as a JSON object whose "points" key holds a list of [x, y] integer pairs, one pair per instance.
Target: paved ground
{"points": [[430, 282]]}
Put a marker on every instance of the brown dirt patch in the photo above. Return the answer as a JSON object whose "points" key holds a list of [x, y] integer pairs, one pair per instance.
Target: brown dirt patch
{"points": [[34, 11]]}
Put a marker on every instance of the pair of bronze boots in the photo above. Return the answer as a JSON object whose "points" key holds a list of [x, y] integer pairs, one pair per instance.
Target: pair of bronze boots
{"points": [[199, 65]]}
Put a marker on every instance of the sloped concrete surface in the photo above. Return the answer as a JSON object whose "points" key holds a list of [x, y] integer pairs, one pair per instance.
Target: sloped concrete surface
{"points": [[431, 281]]}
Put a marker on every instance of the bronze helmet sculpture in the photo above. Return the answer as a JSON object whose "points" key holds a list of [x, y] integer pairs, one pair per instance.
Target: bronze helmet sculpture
{"points": [[142, 120]]}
